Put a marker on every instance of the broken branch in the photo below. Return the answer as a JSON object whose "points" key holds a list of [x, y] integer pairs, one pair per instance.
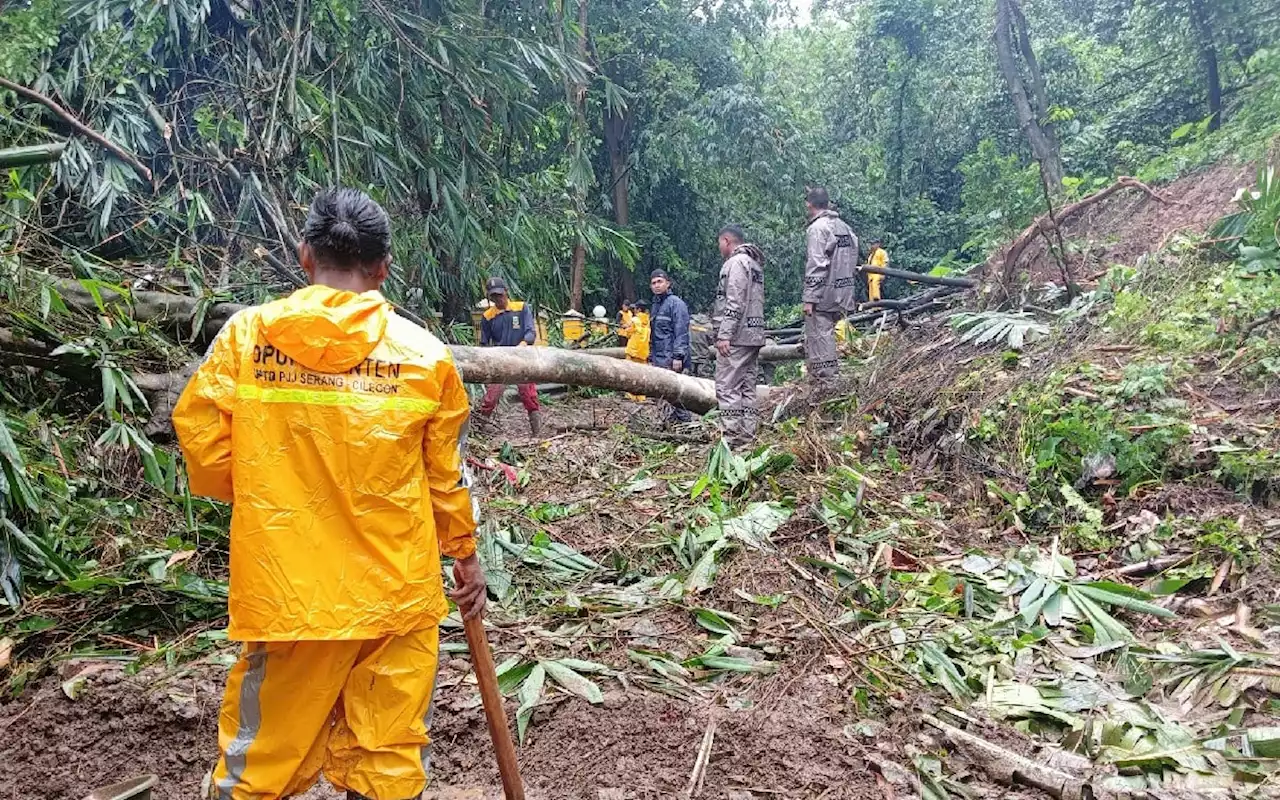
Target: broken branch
{"points": [[80, 127], [1049, 222]]}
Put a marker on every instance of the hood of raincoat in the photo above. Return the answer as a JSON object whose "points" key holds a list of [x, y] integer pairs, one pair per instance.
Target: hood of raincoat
{"points": [[326, 329], [753, 252]]}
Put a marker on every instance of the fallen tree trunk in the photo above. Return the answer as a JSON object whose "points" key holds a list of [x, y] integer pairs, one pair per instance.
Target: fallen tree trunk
{"points": [[919, 277], [503, 365], [488, 365], [768, 354], [578, 368]]}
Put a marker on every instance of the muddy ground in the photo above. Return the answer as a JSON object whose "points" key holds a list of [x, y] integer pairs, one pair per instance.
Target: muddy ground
{"points": [[635, 745]]}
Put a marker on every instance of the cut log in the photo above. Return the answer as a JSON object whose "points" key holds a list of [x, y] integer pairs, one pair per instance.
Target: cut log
{"points": [[31, 154], [768, 354], [578, 368]]}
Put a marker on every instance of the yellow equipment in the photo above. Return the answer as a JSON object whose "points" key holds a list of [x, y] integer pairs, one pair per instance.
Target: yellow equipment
{"points": [[572, 327]]}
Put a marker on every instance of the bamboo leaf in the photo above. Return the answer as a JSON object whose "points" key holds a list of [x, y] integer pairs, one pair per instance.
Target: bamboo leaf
{"points": [[573, 682], [530, 694]]}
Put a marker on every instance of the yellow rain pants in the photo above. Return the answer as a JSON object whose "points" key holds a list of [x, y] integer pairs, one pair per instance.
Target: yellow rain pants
{"points": [[358, 711]]}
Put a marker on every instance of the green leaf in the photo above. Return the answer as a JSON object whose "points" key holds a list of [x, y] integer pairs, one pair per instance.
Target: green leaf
{"points": [[1125, 597], [1264, 742], [530, 694], [512, 673], [730, 664], [573, 682], [703, 574], [714, 622]]}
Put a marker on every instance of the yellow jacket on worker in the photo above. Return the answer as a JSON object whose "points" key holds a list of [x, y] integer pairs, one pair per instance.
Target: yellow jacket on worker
{"points": [[638, 337], [879, 258], [346, 472]]}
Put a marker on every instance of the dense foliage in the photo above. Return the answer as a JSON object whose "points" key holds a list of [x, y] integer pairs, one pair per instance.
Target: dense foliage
{"points": [[505, 135]]}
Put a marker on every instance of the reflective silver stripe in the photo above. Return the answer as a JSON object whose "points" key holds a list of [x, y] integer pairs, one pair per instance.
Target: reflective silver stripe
{"points": [[426, 720], [249, 724], [464, 471]]}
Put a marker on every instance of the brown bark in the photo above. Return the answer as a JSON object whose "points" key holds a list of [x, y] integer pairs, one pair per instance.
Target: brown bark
{"points": [[1010, 24]]}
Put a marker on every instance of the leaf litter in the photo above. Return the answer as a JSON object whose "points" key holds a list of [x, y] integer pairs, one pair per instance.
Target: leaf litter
{"points": [[855, 612]]}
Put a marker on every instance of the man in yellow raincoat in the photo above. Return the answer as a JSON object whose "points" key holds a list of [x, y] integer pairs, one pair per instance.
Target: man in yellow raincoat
{"points": [[877, 258], [637, 333], [335, 428]]}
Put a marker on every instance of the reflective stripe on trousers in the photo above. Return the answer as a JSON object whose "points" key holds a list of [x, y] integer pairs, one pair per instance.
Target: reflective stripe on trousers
{"points": [[820, 356], [736, 393]]}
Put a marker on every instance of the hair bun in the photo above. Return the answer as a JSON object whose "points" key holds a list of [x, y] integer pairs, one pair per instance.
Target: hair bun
{"points": [[344, 238]]}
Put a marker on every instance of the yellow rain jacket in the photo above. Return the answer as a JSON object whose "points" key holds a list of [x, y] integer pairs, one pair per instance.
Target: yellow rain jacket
{"points": [[333, 425], [638, 338], [879, 258]]}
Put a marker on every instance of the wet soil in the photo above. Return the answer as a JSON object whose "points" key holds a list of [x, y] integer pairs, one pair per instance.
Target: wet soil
{"points": [[635, 745]]}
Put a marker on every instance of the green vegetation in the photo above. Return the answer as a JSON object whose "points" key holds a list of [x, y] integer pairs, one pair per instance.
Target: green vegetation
{"points": [[1010, 508]]}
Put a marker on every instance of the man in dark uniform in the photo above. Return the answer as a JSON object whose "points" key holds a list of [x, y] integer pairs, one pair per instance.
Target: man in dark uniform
{"points": [[668, 336], [508, 323], [739, 319]]}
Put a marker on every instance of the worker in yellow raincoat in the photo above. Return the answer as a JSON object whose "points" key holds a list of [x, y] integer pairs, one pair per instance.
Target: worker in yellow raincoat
{"points": [[625, 316], [877, 258], [335, 428], [638, 338]]}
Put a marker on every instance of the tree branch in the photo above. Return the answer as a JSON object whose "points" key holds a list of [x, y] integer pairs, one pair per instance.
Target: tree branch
{"points": [[1048, 222], [80, 127]]}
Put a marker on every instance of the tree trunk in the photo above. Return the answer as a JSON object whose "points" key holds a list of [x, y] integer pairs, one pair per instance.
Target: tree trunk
{"points": [[1203, 25], [576, 96], [1039, 95], [578, 276], [897, 164], [617, 134], [1043, 145], [454, 306], [504, 365]]}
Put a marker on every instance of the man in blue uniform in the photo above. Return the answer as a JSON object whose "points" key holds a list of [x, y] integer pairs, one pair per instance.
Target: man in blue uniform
{"points": [[668, 336], [508, 323]]}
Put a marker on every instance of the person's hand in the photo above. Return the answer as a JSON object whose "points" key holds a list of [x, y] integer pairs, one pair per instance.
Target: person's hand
{"points": [[722, 347], [471, 591], [677, 365], [808, 309], [523, 343]]}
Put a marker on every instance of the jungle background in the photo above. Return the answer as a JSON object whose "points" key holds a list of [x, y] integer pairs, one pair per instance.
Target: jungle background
{"points": [[1041, 514]]}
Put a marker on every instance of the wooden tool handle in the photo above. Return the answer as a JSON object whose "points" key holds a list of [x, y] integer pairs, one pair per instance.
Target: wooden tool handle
{"points": [[495, 714]]}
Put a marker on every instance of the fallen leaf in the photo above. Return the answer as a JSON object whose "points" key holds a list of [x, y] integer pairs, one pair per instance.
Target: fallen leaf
{"points": [[179, 557]]}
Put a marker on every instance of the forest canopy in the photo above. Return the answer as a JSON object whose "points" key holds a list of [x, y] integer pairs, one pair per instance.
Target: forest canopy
{"points": [[573, 146]]}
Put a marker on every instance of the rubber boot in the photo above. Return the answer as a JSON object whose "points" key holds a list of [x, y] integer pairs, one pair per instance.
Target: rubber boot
{"points": [[535, 423]]}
